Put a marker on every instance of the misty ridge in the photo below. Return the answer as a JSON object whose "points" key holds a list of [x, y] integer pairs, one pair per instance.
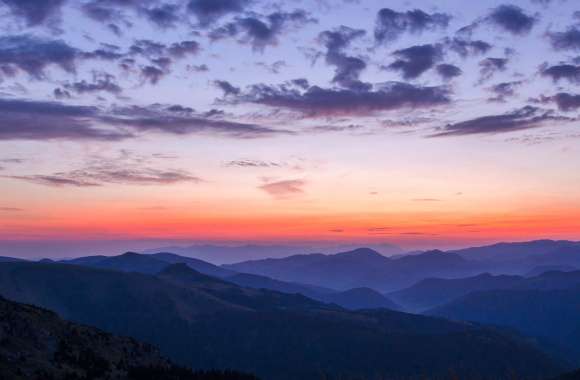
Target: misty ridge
{"points": [[487, 313]]}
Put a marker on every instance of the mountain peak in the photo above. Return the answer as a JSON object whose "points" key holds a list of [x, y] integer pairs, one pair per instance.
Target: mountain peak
{"points": [[361, 252]]}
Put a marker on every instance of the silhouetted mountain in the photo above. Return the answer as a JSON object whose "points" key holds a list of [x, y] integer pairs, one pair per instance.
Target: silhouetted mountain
{"points": [[217, 254], [361, 268], [510, 251], [38, 345], [196, 264], [550, 268], [262, 282], [278, 337], [550, 315], [433, 292], [87, 260], [129, 262], [4, 259], [359, 298]]}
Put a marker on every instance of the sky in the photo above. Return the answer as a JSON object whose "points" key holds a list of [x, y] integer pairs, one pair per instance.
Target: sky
{"points": [[419, 123]]}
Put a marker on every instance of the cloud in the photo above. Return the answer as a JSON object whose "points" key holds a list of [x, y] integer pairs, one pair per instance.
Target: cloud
{"points": [[489, 66], [347, 68], [319, 102], [426, 200], [565, 101], [35, 12], [209, 11], [43, 120], [415, 60], [102, 82], [253, 164], [33, 55], [92, 177], [261, 31], [512, 19], [227, 87], [519, 119], [467, 48], [568, 72], [182, 121], [125, 169], [11, 209], [284, 189], [164, 16], [390, 24], [504, 90], [568, 40], [447, 71]]}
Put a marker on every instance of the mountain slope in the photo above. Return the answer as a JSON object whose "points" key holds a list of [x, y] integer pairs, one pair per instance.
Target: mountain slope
{"points": [[433, 292], [359, 298], [129, 262], [550, 315], [4, 259], [196, 264], [278, 337], [38, 345]]}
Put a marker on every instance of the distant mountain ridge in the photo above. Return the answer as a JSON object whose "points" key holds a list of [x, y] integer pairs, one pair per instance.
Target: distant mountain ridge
{"points": [[362, 267]]}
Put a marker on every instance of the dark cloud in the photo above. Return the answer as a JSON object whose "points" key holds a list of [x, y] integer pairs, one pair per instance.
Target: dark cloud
{"points": [[489, 66], [110, 12], [347, 68], [391, 24], [512, 19], [284, 189], [60, 93], [504, 90], [102, 82], [568, 72], [466, 48], [568, 40], [316, 101], [33, 55], [34, 12], [152, 74], [37, 120], [165, 119], [227, 87], [164, 16], [415, 60], [519, 119], [209, 11], [260, 31], [448, 71], [565, 101]]}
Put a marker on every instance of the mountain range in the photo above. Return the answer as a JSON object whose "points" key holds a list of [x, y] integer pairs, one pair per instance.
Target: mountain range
{"points": [[206, 322]]}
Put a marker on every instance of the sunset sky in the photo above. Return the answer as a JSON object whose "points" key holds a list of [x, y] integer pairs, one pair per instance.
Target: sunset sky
{"points": [[419, 123]]}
